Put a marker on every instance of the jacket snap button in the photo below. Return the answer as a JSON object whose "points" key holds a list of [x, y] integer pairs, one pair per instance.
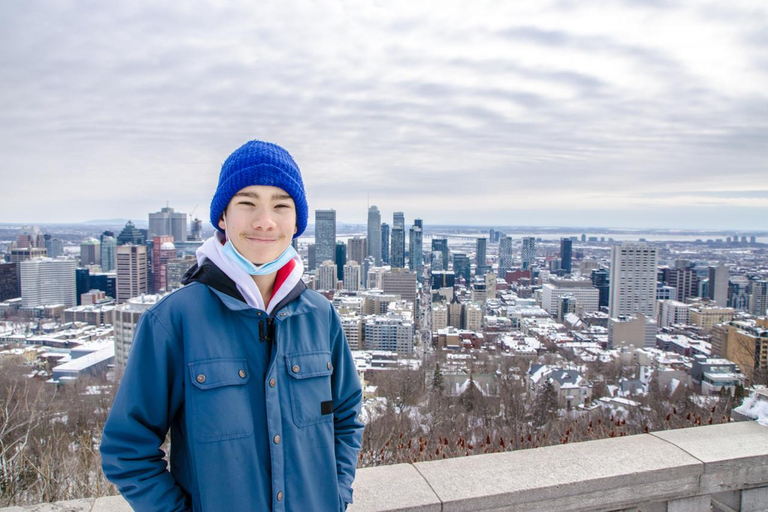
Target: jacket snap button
{"points": [[330, 365], [280, 496], [272, 383], [201, 378], [295, 368], [277, 439], [242, 374]]}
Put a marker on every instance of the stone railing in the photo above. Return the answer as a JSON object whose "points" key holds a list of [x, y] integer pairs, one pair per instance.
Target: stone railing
{"points": [[719, 467]]}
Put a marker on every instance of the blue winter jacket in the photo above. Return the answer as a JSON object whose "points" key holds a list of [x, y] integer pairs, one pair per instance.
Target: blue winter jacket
{"points": [[263, 413]]}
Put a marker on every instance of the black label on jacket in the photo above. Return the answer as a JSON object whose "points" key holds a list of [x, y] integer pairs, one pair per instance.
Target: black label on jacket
{"points": [[326, 407]]}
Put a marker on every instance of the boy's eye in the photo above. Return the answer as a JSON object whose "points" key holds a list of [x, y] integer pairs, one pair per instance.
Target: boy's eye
{"points": [[281, 205]]}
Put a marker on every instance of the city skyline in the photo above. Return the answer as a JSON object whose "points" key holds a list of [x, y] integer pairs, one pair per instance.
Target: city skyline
{"points": [[617, 114]]}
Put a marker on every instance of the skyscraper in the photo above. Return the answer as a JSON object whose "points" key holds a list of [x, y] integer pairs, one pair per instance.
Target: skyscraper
{"points": [[416, 249], [357, 250], [759, 298], [326, 276], [439, 247], [566, 254], [9, 288], [505, 255], [352, 276], [528, 252], [168, 222], [163, 251], [131, 235], [397, 259], [108, 244], [398, 220], [374, 234], [385, 257], [53, 246], [90, 252], [718, 285], [462, 267], [48, 281], [480, 256], [325, 235], [633, 280], [131, 271], [600, 281], [341, 259]]}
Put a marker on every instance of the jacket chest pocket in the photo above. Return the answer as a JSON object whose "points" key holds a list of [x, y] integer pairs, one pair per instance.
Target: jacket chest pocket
{"points": [[220, 401], [310, 387]]}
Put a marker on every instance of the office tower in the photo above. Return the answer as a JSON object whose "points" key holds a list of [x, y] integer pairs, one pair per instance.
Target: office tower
{"points": [[374, 234], [397, 259], [131, 271], [82, 283], [24, 254], [311, 257], [385, 243], [9, 288], [718, 285], [398, 220], [402, 282], [581, 291], [528, 252], [168, 222], [325, 235], [108, 242], [633, 280], [175, 270], [443, 278], [481, 266], [416, 249], [684, 280], [341, 259], [462, 267], [357, 250], [90, 252], [48, 281], [131, 235], [440, 245], [505, 255], [352, 276], [368, 264], [163, 251], [326, 276], [599, 279], [759, 298], [672, 312], [104, 282], [392, 333], [196, 233], [53, 246], [566, 254]]}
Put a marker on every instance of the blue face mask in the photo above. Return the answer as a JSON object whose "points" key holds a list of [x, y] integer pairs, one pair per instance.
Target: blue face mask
{"points": [[260, 270]]}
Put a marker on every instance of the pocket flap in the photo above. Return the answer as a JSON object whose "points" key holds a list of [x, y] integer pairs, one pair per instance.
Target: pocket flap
{"points": [[215, 373], [309, 364]]}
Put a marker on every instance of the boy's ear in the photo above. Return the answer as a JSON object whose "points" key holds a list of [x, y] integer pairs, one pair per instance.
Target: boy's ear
{"points": [[222, 225]]}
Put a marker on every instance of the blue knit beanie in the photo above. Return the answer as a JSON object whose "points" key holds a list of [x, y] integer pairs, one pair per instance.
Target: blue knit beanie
{"points": [[260, 163]]}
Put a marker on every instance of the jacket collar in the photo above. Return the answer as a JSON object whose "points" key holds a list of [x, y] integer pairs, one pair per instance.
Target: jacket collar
{"points": [[226, 289]]}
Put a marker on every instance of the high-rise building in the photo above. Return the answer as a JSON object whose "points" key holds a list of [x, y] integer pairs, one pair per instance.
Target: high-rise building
{"points": [[90, 252], [718, 285], [196, 233], [126, 317], [311, 257], [684, 280], [462, 267], [163, 251], [131, 271], [341, 259], [24, 254], [440, 246], [633, 280], [566, 254], [672, 312], [48, 281], [400, 282], [131, 235], [505, 255], [30, 237], [325, 235], [352, 276], [398, 220], [9, 288], [581, 291], [175, 270], [528, 252], [357, 249], [416, 249], [397, 259], [385, 243], [393, 333], [168, 222], [108, 244], [326, 276], [759, 298], [53, 246], [481, 266], [600, 281], [374, 234]]}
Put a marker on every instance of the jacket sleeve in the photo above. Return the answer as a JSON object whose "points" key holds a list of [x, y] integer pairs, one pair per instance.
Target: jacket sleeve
{"points": [[150, 395], [347, 400]]}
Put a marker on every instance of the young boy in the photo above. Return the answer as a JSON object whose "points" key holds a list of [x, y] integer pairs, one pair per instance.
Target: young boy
{"points": [[249, 369]]}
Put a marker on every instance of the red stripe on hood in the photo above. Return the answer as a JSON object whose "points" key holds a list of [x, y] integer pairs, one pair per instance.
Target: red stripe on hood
{"points": [[281, 276]]}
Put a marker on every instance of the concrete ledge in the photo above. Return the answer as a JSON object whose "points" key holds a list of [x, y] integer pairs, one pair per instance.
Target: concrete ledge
{"points": [[680, 470]]}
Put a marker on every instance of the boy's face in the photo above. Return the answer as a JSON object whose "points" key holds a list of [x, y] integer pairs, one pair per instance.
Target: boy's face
{"points": [[260, 221]]}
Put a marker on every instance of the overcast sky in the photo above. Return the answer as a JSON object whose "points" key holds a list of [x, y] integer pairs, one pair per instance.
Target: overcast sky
{"points": [[573, 113]]}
